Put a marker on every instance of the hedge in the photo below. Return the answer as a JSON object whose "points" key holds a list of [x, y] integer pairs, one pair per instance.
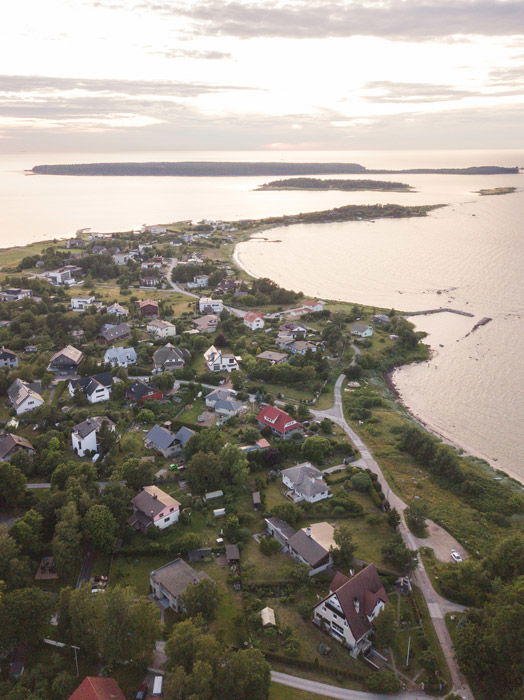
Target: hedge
{"points": [[352, 674]]}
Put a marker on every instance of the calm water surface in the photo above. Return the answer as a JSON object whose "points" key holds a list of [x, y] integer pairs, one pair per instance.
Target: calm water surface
{"points": [[468, 255]]}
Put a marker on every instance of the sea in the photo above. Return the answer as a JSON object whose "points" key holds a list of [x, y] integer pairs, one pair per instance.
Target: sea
{"points": [[467, 255]]}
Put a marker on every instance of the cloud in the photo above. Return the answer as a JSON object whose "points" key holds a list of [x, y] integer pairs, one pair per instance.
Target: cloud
{"points": [[384, 91], [394, 19], [193, 54]]}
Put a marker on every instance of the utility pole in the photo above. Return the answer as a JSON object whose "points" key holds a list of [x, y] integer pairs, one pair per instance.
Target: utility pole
{"points": [[62, 644]]}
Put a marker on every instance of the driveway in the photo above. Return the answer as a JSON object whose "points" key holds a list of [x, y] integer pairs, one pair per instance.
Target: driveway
{"points": [[437, 606], [441, 542]]}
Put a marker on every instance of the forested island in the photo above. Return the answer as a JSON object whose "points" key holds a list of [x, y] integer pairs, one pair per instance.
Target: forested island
{"points": [[311, 183], [225, 169], [497, 190]]}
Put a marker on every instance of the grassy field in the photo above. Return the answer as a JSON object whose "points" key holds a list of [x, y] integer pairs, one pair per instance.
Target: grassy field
{"points": [[283, 692]]}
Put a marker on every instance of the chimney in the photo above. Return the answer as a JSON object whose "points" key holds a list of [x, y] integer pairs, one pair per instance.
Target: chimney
{"points": [[356, 604], [308, 531], [155, 496]]}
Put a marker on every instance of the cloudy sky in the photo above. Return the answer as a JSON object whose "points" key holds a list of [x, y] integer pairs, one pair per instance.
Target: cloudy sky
{"points": [[139, 75]]}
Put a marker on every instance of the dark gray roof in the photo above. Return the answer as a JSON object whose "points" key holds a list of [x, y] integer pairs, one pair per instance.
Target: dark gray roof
{"points": [[170, 354], [122, 330], [306, 547], [281, 525], [89, 384], [176, 576], [232, 552], [161, 438], [183, 435], [87, 426]]}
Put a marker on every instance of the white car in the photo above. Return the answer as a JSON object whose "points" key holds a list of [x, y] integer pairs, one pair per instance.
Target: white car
{"points": [[456, 556]]}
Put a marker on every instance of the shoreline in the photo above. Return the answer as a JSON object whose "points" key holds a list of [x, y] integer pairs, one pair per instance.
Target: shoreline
{"points": [[424, 423]]}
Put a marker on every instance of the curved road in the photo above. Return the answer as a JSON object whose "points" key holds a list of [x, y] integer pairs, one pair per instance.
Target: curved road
{"points": [[437, 605]]}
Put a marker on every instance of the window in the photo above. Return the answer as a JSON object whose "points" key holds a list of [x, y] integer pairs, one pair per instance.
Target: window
{"points": [[171, 510], [167, 519], [337, 628]]}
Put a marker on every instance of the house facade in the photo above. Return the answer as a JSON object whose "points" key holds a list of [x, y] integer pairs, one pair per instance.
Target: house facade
{"points": [[81, 303], [348, 611], [254, 320], [23, 398], [8, 358], [206, 305], [361, 330], [224, 402], [170, 582], [281, 423], [161, 329], [217, 361], [162, 440], [148, 308], [66, 360], [300, 545], [117, 310], [84, 434], [96, 388], [10, 444], [168, 358], [139, 392], [154, 507], [305, 483]]}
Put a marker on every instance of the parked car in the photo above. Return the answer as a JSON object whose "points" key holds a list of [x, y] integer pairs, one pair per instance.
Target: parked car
{"points": [[456, 556]]}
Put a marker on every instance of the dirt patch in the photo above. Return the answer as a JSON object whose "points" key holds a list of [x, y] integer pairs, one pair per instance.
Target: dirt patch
{"points": [[441, 542]]}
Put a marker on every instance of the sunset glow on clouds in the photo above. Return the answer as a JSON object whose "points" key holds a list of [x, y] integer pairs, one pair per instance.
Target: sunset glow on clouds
{"points": [[164, 74]]}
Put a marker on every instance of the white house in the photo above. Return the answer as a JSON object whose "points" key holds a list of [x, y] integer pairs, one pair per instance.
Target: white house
{"points": [[123, 258], [8, 358], [362, 330], [218, 361], [117, 310], [224, 402], [96, 388], [23, 398], [210, 306], [348, 611], [199, 282], [152, 506], [170, 582], [153, 229], [305, 483], [81, 303], [64, 275], [120, 356], [84, 434], [161, 329], [254, 320]]}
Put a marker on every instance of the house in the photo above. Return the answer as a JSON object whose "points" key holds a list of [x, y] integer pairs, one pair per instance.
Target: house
{"points": [[161, 329], [149, 281], [348, 611], [117, 310], [313, 306], [140, 392], [153, 229], [300, 347], [123, 258], [281, 423], [199, 282], [15, 294], [64, 275], [183, 435], [120, 356], [274, 358], [361, 330], [98, 688], [254, 320], [96, 388], [300, 545], [305, 483], [217, 361], [99, 250], [113, 334], [152, 506], [66, 360], [148, 307], [223, 402], [84, 434], [207, 305], [8, 358], [9, 444], [169, 358], [267, 617], [206, 324], [22, 397], [162, 440], [170, 582], [381, 319], [81, 303]]}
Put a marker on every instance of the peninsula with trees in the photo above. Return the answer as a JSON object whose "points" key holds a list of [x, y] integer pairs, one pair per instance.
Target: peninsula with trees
{"points": [[311, 183]]}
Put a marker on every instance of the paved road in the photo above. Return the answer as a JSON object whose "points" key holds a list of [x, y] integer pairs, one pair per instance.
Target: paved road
{"points": [[333, 691], [437, 605]]}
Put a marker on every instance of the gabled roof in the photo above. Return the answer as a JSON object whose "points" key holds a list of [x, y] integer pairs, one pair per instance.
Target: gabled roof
{"points": [[364, 590], [278, 419], [309, 549], [183, 435], [89, 384], [87, 426], [176, 576], [281, 525], [19, 391], [122, 330], [94, 688], [160, 437], [120, 354], [169, 353], [69, 352], [138, 390], [160, 324], [118, 309], [144, 303], [252, 316], [6, 354], [307, 479], [10, 442], [151, 501], [272, 356]]}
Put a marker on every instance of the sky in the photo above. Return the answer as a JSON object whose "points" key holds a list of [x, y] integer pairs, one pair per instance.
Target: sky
{"points": [[153, 75]]}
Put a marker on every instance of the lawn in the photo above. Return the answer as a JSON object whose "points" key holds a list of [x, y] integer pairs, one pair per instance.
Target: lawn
{"points": [[284, 692], [259, 567], [134, 570]]}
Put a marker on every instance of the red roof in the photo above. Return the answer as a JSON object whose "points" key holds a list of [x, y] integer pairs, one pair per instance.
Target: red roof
{"points": [[252, 316], [277, 419], [94, 688]]}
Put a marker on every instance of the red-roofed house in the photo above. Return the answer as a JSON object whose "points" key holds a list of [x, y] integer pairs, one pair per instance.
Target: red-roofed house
{"points": [[281, 423], [347, 613], [148, 307], [254, 320], [95, 688]]}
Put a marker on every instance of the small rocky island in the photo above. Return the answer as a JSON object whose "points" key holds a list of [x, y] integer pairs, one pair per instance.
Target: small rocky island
{"points": [[312, 183]]}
